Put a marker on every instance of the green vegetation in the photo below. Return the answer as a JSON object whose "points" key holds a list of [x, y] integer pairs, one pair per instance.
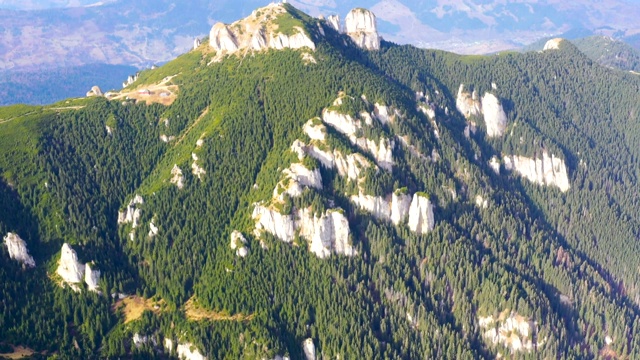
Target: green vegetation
{"points": [[566, 261]]}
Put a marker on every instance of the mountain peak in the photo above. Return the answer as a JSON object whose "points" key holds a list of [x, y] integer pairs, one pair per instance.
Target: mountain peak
{"points": [[276, 26], [280, 26]]}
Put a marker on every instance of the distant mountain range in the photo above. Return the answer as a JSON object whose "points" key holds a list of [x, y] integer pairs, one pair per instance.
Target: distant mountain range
{"points": [[67, 33]]}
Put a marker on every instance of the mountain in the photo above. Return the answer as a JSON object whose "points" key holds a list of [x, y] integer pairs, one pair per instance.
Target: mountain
{"points": [[601, 49], [140, 33], [38, 87], [289, 190]]}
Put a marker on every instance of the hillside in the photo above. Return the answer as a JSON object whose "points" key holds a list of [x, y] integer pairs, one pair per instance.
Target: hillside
{"points": [[306, 193], [604, 50]]}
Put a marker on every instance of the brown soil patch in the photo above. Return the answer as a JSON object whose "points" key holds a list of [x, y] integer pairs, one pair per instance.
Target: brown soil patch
{"points": [[19, 352], [195, 312], [134, 306], [151, 94]]}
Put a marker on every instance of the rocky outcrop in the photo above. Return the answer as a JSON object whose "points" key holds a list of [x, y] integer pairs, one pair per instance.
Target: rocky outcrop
{"points": [[259, 32], [553, 44], [132, 213], [349, 166], [494, 163], [514, 332], [421, 219], [494, 116], [74, 272], [91, 278], [309, 349], [153, 229], [394, 208], [382, 150], [69, 268], [315, 130], [327, 233], [546, 170], [196, 43], [95, 91], [195, 168], [397, 207], [238, 243], [334, 22], [221, 38], [176, 176], [18, 251], [184, 351], [270, 220], [467, 103], [360, 25], [300, 174]]}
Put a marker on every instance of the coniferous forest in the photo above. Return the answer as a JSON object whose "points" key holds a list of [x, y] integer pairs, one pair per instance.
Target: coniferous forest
{"points": [[561, 265]]}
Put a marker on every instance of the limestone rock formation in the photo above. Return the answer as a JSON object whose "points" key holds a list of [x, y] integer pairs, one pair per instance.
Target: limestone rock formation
{"points": [[382, 150], [349, 166], [553, 44], [95, 91], [334, 22], [71, 271], [419, 209], [360, 25], [91, 278], [222, 39], [271, 221], [315, 129], [400, 205], [494, 116], [494, 163], [327, 233], [512, 331], [421, 219], [467, 103], [132, 213], [184, 351], [547, 170], [258, 32], [195, 168], [196, 43], [238, 243], [153, 229], [176, 176], [309, 349], [18, 250]]}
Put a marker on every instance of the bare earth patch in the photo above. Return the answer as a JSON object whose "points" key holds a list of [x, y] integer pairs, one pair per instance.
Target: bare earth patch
{"points": [[195, 312], [160, 93], [134, 306], [19, 352]]}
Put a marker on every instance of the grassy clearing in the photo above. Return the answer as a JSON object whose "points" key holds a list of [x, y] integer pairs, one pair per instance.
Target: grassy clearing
{"points": [[133, 307], [195, 312]]}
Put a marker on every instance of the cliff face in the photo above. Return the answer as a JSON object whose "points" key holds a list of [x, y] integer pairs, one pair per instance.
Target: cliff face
{"points": [[546, 170], [327, 233], [468, 104], [421, 218], [361, 26], [18, 250]]}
